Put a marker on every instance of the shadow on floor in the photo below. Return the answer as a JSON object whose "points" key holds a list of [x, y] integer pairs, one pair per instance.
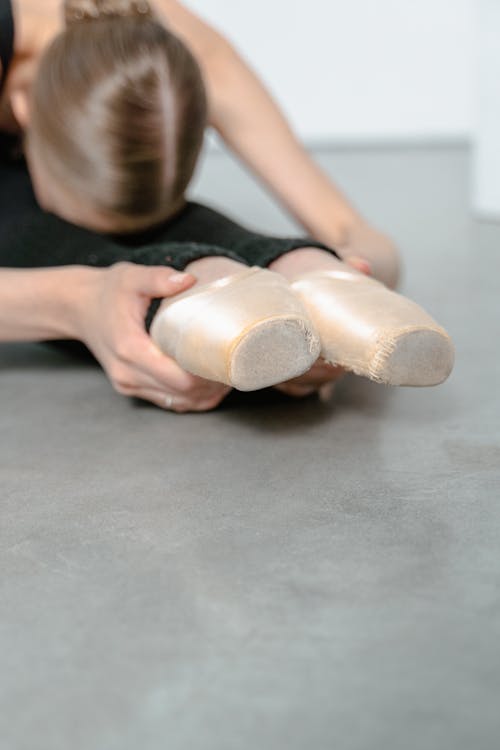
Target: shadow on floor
{"points": [[266, 410]]}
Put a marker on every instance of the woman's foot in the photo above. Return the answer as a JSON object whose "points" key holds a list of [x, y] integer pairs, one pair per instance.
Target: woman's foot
{"points": [[364, 326], [239, 325], [361, 240], [322, 376]]}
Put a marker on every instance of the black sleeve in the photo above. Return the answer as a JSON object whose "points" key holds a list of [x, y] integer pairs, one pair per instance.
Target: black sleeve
{"points": [[32, 238], [200, 223]]}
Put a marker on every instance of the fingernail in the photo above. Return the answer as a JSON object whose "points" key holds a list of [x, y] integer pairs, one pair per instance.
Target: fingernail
{"points": [[367, 268], [179, 277], [326, 391], [301, 390], [360, 264]]}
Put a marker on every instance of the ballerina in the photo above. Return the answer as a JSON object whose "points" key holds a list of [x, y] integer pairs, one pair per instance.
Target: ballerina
{"points": [[114, 107]]}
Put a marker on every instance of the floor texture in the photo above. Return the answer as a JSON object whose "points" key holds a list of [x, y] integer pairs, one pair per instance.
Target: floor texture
{"points": [[274, 574]]}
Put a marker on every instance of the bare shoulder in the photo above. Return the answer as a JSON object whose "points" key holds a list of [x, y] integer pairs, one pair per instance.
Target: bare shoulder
{"points": [[195, 31], [36, 23]]}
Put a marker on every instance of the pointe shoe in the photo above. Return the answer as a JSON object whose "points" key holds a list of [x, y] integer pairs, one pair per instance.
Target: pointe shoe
{"points": [[247, 330], [373, 331]]}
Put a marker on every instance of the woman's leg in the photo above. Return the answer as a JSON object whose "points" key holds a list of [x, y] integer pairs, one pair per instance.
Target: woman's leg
{"points": [[33, 238], [198, 239], [199, 223]]}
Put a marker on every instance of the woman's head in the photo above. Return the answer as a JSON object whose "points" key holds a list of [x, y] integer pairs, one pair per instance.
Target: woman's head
{"points": [[117, 115]]}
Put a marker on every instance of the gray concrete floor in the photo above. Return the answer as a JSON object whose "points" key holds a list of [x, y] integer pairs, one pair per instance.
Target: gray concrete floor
{"points": [[274, 574]]}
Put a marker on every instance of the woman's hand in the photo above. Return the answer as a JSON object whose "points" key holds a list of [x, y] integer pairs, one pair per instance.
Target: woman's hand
{"points": [[321, 378], [110, 321], [376, 247]]}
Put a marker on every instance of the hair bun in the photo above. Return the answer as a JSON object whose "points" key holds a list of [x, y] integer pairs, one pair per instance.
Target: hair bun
{"points": [[76, 11]]}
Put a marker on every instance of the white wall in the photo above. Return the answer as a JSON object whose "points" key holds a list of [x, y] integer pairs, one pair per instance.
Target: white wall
{"points": [[360, 69], [486, 165]]}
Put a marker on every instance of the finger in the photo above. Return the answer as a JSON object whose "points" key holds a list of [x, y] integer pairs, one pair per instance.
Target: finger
{"points": [[296, 391], [143, 364], [160, 281], [326, 392], [179, 404], [160, 398], [327, 376], [146, 356], [360, 264], [169, 374], [317, 376], [311, 382], [129, 379]]}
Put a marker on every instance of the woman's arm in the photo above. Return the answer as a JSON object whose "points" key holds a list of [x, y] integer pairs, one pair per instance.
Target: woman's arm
{"points": [[249, 120], [105, 308], [39, 304], [251, 123]]}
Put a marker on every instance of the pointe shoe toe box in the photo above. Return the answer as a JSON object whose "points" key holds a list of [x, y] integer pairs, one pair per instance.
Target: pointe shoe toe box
{"points": [[248, 330], [273, 351], [420, 357], [374, 331]]}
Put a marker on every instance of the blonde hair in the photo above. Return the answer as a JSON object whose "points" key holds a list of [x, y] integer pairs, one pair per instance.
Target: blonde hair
{"points": [[118, 112]]}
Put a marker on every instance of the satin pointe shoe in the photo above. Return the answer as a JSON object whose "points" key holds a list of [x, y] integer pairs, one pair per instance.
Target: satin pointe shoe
{"points": [[248, 330], [373, 331]]}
